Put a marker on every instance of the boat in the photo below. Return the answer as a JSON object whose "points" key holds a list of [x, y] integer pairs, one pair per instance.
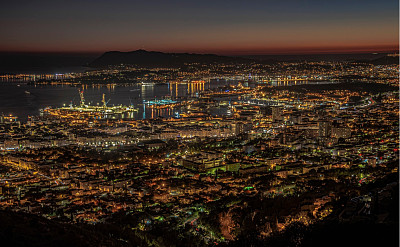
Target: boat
{"points": [[91, 111], [148, 83], [27, 92]]}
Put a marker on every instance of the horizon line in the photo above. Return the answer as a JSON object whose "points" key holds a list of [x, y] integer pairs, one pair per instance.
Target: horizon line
{"points": [[242, 53]]}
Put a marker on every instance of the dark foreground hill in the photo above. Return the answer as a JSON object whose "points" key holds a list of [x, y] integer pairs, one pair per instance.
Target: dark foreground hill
{"points": [[159, 59], [21, 229]]}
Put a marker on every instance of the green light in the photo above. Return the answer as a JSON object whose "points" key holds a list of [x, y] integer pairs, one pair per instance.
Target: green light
{"points": [[248, 188]]}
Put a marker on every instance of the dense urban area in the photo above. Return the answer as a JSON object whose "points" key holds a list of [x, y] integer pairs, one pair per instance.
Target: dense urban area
{"points": [[276, 156]]}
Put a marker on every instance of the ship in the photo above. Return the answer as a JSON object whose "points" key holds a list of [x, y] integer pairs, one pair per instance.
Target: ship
{"points": [[86, 110], [148, 83]]}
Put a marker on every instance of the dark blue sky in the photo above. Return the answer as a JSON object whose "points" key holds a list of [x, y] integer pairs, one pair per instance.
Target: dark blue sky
{"points": [[224, 27]]}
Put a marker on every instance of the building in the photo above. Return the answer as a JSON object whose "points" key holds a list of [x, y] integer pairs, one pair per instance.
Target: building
{"points": [[203, 161], [341, 132], [276, 113], [238, 128], [324, 129], [152, 144]]}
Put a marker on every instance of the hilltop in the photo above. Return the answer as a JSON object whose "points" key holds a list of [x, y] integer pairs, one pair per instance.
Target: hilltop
{"points": [[145, 58]]}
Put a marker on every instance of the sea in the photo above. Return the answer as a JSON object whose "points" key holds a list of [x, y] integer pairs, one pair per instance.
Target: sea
{"points": [[24, 100]]}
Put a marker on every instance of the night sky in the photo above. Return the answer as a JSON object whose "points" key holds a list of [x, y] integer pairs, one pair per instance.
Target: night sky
{"points": [[222, 27]]}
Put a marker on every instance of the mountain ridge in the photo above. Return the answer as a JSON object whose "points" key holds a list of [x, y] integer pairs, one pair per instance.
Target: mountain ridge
{"points": [[143, 58], [155, 59]]}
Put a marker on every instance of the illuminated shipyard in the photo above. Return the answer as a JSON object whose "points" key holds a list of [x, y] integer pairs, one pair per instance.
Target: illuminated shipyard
{"points": [[89, 111]]}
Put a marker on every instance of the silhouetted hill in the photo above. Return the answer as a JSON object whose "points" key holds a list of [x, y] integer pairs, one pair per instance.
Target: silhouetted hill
{"points": [[353, 57], [386, 60], [41, 63], [22, 229], [159, 59]]}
